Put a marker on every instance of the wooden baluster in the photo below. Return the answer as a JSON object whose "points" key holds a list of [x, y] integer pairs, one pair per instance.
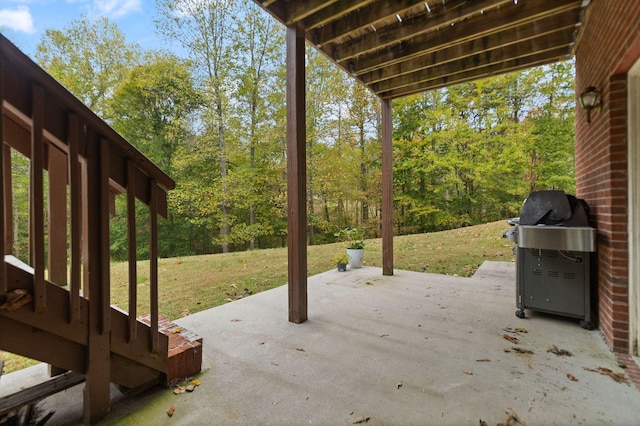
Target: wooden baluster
{"points": [[105, 288], [3, 187], [75, 195], [8, 199], [153, 264], [58, 171], [131, 229], [36, 198]]}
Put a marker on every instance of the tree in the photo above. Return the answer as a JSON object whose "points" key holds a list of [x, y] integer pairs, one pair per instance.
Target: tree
{"points": [[204, 28], [153, 106], [89, 57]]}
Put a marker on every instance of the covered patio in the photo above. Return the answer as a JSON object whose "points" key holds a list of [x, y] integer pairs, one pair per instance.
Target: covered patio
{"points": [[411, 348]]}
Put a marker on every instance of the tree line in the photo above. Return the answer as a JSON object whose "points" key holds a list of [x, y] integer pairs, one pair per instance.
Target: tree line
{"points": [[210, 111]]}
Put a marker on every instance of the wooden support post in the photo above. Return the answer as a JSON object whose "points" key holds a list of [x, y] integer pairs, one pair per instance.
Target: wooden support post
{"points": [[387, 188], [36, 198], [8, 199], [96, 391], [153, 265], [75, 215], [3, 188], [296, 175], [132, 249]]}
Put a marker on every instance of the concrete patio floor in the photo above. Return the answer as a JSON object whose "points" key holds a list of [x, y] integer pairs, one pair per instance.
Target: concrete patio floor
{"points": [[411, 349]]}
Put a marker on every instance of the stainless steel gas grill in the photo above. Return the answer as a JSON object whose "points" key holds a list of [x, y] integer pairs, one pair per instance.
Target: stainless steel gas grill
{"points": [[554, 246]]}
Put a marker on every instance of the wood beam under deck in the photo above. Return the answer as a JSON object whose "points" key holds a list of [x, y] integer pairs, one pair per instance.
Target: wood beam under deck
{"points": [[296, 176]]}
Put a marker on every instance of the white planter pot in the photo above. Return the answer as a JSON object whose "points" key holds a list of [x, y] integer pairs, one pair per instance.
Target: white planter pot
{"points": [[355, 258]]}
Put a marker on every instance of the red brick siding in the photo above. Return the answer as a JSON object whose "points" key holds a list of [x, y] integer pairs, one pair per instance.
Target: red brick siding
{"points": [[608, 45]]}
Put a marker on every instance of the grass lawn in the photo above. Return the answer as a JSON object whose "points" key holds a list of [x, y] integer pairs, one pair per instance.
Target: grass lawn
{"points": [[195, 283]]}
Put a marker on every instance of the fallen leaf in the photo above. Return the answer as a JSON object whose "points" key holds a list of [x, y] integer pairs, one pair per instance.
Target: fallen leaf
{"points": [[522, 351], [398, 385], [618, 377], [521, 330], [233, 285], [483, 423], [469, 372], [184, 312], [176, 330], [511, 415], [512, 339], [228, 300], [361, 419], [190, 388], [171, 410], [300, 350], [179, 389], [560, 352], [483, 360], [384, 335], [572, 377], [196, 382], [260, 343], [239, 296], [236, 320]]}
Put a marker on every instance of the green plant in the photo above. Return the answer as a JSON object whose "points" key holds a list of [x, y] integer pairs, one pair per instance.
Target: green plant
{"points": [[340, 258], [353, 236]]}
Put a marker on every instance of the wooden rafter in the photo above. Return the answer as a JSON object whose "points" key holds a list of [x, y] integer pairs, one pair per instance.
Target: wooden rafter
{"points": [[408, 46]]}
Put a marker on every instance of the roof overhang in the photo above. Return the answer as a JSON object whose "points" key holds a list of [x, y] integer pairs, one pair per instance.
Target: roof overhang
{"points": [[402, 47]]}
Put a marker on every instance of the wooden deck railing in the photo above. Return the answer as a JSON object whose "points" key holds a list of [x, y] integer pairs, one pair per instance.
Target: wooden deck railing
{"points": [[78, 164]]}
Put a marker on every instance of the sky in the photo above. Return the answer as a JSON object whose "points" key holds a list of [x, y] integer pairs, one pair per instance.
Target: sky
{"points": [[24, 21]]}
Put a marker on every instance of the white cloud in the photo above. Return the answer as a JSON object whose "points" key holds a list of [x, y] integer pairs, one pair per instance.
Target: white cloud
{"points": [[116, 8], [18, 19]]}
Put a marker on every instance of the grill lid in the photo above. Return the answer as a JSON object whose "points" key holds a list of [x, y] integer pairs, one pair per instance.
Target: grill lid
{"points": [[554, 207]]}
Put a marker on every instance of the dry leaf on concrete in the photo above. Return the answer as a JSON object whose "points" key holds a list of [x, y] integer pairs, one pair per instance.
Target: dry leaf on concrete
{"points": [[560, 352], [171, 410], [572, 377], [511, 415], [483, 360], [618, 377], [398, 385], [512, 339], [522, 351], [361, 419], [179, 389]]}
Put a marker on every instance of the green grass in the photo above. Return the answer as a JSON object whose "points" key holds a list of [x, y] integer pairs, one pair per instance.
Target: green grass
{"points": [[195, 283]]}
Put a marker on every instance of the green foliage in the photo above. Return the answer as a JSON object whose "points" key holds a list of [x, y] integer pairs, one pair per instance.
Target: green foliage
{"points": [[353, 236], [216, 123], [89, 57]]}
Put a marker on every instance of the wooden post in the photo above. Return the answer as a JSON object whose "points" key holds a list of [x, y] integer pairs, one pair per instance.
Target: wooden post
{"points": [[96, 391], [75, 214], [153, 265], [8, 200], [36, 198], [57, 253], [133, 258], [57, 216], [387, 188], [3, 187], [296, 176]]}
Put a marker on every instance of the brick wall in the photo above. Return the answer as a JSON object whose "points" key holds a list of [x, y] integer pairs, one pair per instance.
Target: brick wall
{"points": [[608, 45]]}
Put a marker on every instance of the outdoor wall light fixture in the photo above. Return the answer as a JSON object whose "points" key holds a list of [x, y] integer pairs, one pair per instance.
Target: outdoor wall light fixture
{"points": [[590, 99]]}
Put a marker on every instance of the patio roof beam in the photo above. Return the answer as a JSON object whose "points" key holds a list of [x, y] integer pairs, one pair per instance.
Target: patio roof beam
{"points": [[376, 68], [379, 14], [479, 60], [495, 69]]}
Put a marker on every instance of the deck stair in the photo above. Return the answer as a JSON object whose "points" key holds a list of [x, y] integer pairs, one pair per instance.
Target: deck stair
{"points": [[80, 172]]}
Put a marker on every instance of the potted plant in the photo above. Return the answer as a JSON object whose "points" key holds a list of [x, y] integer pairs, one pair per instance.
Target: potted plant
{"points": [[354, 237], [341, 260]]}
